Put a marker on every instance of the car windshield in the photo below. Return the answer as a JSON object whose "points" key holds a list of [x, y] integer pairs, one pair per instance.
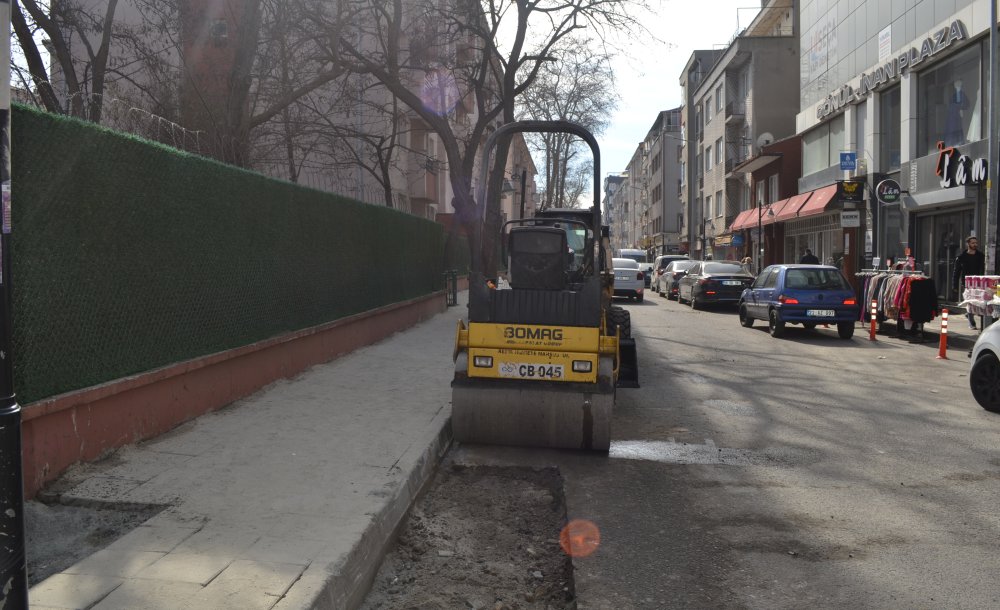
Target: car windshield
{"points": [[625, 263], [815, 279], [723, 268], [683, 265]]}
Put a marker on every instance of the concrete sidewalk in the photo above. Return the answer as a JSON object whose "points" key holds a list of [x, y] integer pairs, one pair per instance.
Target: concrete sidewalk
{"points": [[287, 499]]}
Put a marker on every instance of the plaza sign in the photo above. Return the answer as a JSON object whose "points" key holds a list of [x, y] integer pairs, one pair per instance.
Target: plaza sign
{"points": [[892, 69], [955, 169]]}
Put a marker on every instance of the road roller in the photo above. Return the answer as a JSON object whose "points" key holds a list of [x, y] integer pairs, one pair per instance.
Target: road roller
{"points": [[542, 352]]}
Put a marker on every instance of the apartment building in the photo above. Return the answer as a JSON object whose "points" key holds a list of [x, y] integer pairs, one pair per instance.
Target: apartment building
{"points": [[901, 87], [745, 99], [662, 218]]}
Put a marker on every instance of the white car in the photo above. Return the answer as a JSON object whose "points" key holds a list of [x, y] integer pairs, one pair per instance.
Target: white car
{"points": [[984, 378], [630, 281]]}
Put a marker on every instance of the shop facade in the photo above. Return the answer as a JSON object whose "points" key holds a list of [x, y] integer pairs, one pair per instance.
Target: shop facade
{"points": [[915, 115]]}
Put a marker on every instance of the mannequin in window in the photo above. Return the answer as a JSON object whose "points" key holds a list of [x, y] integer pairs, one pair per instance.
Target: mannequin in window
{"points": [[954, 124]]}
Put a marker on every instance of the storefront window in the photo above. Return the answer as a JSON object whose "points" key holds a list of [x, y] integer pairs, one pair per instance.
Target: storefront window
{"points": [[950, 103], [889, 118]]}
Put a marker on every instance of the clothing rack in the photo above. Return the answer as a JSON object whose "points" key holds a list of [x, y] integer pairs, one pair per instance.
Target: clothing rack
{"points": [[871, 272]]}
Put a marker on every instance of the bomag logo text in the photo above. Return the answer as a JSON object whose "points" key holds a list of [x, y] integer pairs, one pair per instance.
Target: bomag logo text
{"points": [[537, 334]]}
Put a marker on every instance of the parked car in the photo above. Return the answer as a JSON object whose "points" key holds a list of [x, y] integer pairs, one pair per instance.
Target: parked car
{"points": [[668, 281], [659, 265], [713, 282], [800, 294], [984, 376], [640, 257], [629, 278]]}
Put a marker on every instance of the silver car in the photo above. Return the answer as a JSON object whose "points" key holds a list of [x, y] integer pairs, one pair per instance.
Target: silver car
{"points": [[984, 377], [630, 281]]}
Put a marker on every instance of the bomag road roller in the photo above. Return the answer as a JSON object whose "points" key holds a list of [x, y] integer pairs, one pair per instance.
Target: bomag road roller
{"points": [[543, 351]]}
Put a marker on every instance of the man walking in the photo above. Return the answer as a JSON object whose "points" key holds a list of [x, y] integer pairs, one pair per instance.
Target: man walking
{"points": [[970, 262], [809, 258]]}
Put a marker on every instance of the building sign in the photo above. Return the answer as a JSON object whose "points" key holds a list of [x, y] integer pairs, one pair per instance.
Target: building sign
{"points": [[892, 69], [851, 190], [848, 161], [885, 43], [850, 219], [955, 169], [888, 191]]}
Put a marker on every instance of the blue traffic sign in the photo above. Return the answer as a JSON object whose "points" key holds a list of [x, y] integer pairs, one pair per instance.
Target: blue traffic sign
{"points": [[848, 161]]}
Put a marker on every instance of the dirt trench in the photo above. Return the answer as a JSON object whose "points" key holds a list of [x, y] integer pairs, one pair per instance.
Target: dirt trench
{"points": [[483, 538]]}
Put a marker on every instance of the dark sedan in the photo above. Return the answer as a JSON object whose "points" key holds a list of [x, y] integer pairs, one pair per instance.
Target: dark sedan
{"points": [[713, 282], [801, 294]]}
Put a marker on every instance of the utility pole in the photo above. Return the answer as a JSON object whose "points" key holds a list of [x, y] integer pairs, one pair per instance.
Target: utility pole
{"points": [[990, 224], [13, 562]]}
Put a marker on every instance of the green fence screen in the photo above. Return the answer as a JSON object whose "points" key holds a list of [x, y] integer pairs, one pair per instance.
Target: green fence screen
{"points": [[128, 255]]}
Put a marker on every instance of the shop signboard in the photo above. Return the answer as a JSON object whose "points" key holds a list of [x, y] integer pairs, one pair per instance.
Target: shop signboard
{"points": [[956, 169], [851, 190], [888, 191], [849, 220], [848, 161]]}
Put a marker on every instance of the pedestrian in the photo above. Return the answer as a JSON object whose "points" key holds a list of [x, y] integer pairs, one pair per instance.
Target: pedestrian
{"points": [[970, 262], [809, 258], [747, 264]]}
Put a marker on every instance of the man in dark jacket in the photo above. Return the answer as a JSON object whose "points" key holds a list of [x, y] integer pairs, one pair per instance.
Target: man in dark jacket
{"points": [[809, 258], [970, 262]]}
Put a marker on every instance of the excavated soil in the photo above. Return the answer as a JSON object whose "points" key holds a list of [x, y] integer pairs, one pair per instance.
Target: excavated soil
{"points": [[482, 538]]}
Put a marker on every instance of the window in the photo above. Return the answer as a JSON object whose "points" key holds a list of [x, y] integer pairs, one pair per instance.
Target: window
{"points": [[708, 206], [821, 147], [718, 203], [718, 99], [760, 192], [891, 131], [708, 110], [772, 188], [718, 151], [950, 103], [708, 157]]}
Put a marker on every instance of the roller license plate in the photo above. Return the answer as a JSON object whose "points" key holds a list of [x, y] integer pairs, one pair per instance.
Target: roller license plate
{"points": [[820, 313], [526, 370]]}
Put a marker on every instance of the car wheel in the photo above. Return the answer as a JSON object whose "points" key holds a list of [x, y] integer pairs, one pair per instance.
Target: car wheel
{"points": [[774, 325], [984, 381], [694, 301], [745, 320], [618, 316], [845, 330], [809, 325], [679, 299], [640, 297]]}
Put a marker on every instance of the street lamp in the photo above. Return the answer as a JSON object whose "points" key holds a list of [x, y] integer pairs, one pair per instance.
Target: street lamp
{"points": [[760, 232]]}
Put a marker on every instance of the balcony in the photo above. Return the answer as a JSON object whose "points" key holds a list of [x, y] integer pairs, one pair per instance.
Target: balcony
{"points": [[735, 112]]}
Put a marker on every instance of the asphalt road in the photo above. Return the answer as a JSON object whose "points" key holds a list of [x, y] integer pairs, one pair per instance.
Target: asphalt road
{"points": [[810, 471]]}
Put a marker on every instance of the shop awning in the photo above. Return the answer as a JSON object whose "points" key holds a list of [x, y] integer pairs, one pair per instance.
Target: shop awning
{"points": [[791, 207], [755, 163], [819, 202], [742, 220]]}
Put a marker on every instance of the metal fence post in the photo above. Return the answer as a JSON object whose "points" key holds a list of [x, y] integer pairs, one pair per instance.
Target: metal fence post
{"points": [[13, 561]]}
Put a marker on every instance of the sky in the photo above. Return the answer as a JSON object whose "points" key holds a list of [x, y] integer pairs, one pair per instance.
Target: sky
{"points": [[647, 79]]}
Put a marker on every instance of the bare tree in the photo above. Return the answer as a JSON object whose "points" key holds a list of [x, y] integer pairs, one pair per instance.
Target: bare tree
{"points": [[579, 88], [459, 65], [84, 77]]}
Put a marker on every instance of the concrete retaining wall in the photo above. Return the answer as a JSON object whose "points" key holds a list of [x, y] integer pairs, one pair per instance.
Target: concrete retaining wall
{"points": [[83, 425]]}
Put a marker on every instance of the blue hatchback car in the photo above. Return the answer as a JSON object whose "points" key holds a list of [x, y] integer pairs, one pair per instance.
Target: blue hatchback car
{"points": [[800, 294]]}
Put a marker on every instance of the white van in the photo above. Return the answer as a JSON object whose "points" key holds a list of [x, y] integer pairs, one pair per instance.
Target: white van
{"points": [[640, 257]]}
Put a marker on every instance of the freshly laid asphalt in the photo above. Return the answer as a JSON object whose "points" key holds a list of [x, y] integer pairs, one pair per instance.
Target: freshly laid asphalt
{"points": [[289, 498]]}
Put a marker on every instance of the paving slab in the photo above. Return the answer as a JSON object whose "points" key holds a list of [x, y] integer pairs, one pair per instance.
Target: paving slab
{"points": [[286, 499]]}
